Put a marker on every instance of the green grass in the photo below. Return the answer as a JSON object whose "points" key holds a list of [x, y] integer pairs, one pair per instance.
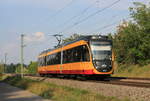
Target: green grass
{"points": [[133, 71], [56, 92]]}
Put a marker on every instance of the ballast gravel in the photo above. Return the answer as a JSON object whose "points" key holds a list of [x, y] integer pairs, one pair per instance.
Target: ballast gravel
{"points": [[119, 91]]}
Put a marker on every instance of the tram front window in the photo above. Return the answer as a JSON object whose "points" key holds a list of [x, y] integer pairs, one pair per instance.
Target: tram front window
{"points": [[102, 54]]}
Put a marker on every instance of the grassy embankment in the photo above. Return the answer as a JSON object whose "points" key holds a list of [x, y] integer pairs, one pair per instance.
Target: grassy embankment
{"points": [[133, 71], [56, 92]]}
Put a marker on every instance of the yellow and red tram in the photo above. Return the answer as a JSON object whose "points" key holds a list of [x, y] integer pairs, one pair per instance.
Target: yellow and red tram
{"points": [[88, 55]]}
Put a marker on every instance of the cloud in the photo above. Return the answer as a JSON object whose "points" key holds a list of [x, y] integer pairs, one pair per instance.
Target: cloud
{"points": [[36, 37]]}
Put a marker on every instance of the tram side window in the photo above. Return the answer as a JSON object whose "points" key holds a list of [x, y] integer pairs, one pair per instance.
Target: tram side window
{"points": [[76, 54], [57, 58], [69, 55], [65, 58], [48, 60], [41, 61], [85, 53], [53, 59], [81, 53]]}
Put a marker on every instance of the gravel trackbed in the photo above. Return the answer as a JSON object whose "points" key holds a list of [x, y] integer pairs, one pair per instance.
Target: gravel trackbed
{"points": [[119, 91]]}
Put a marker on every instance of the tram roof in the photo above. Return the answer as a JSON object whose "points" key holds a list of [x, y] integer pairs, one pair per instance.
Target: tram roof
{"points": [[86, 38]]}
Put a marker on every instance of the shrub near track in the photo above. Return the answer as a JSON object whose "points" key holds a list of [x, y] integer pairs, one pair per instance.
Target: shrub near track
{"points": [[55, 92], [133, 71]]}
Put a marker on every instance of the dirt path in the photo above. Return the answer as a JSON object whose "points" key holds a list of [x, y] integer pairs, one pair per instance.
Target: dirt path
{"points": [[10, 93]]}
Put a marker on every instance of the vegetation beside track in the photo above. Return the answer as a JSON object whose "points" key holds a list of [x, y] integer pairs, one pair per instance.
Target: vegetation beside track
{"points": [[133, 71], [56, 92]]}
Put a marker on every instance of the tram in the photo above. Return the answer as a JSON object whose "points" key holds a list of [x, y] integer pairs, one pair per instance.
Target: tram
{"points": [[87, 56]]}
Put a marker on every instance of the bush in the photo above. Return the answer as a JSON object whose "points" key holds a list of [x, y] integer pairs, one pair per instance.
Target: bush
{"points": [[132, 42]]}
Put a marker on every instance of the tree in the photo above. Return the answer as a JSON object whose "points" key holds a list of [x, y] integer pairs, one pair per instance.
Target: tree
{"points": [[11, 68], [18, 68], [132, 42], [71, 38], [32, 68], [1, 68]]}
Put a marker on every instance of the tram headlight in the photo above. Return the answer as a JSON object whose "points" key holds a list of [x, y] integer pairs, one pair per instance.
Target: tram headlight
{"points": [[94, 37], [104, 65], [97, 67]]}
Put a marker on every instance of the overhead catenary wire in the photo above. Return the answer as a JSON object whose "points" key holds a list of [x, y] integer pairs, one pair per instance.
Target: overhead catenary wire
{"points": [[58, 11], [89, 16], [104, 27], [107, 26], [78, 15]]}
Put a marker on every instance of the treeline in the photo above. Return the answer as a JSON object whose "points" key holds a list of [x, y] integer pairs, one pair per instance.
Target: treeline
{"points": [[16, 68], [132, 39]]}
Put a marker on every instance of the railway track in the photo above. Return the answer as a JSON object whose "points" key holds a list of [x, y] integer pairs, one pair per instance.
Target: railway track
{"points": [[125, 81], [129, 78]]}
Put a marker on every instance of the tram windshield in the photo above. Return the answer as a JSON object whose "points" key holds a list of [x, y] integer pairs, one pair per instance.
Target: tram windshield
{"points": [[101, 50]]}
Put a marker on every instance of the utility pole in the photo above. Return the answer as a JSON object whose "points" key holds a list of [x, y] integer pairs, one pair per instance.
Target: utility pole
{"points": [[5, 65], [22, 54], [2, 64]]}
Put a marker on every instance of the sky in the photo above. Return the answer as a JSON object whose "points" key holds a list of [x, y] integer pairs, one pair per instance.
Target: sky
{"points": [[38, 20]]}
